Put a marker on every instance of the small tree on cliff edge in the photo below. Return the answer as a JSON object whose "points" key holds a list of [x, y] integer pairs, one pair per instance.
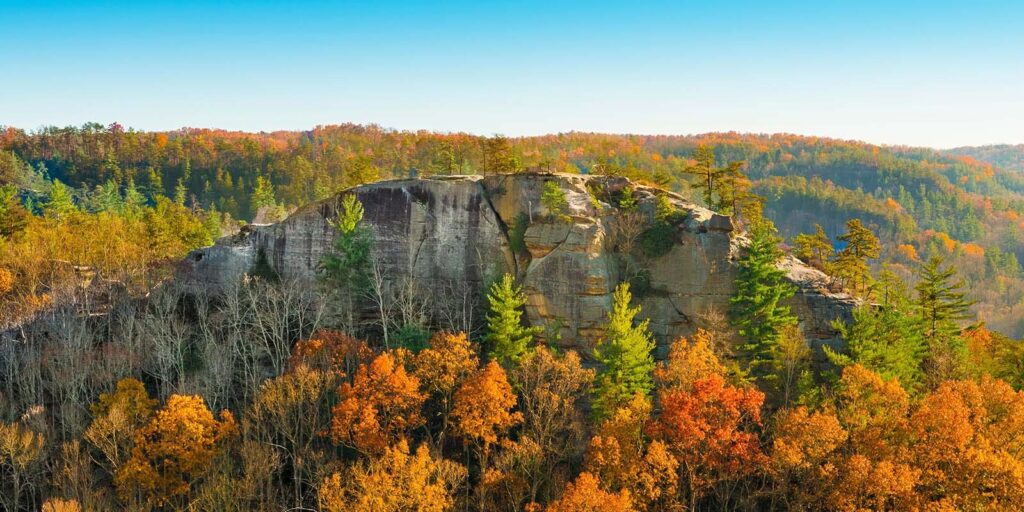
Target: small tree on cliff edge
{"points": [[346, 267], [508, 337], [625, 352], [757, 306]]}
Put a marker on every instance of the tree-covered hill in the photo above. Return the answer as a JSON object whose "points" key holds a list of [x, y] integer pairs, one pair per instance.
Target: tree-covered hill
{"points": [[1006, 156], [921, 202]]}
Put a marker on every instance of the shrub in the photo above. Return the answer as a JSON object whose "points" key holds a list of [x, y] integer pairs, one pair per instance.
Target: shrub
{"points": [[658, 239], [553, 198]]}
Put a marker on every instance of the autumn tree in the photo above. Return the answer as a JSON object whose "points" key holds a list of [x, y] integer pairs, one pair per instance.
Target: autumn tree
{"points": [[483, 413], [622, 457], [21, 458], [378, 408], [397, 481], [117, 417], [803, 453], [499, 156], [508, 337], [550, 388], [625, 354], [710, 429], [967, 439], [173, 450], [291, 412], [585, 495], [441, 368]]}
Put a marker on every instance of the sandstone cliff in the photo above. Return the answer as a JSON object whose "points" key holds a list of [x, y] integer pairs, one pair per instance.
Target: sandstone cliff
{"points": [[457, 233]]}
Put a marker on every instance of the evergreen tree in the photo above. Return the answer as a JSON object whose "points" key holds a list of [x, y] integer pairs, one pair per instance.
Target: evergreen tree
{"points": [[816, 249], [59, 204], [180, 192], [722, 188], [886, 339], [625, 353], [108, 198], [263, 195], [13, 216], [758, 311], [212, 222], [346, 266], [942, 305], [134, 202], [508, 337], [851, 264]]}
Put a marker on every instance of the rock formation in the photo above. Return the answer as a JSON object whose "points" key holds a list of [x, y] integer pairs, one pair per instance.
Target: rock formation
{"points": [[459, 232]]}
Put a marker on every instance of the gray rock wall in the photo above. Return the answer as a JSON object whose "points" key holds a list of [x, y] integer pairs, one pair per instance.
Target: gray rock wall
{"points": [[454, 231]]}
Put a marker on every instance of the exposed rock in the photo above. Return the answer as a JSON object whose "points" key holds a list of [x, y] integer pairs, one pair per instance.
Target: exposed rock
{"points": [[453, 231]]}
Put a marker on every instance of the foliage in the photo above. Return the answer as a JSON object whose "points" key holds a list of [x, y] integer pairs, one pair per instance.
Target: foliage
{"points": [[552, 197], [816, 249], [585, 495], [508, 338], [758, 310], [397, 481], [173, 450], [379, 407], [483, 406], [625, 353], [658, 239]]}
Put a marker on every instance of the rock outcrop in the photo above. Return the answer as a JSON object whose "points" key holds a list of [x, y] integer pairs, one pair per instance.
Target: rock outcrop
{"points": [[457, 233]]}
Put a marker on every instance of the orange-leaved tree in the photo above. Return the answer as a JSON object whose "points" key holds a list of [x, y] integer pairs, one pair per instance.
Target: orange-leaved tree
{"points": [[709, 426], [173, 450], [483, 413], [586, 495], [397, 481], [622, 458], [441, 367], [379, 407]]}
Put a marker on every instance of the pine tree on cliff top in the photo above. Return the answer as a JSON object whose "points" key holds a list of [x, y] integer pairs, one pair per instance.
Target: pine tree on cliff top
{"points": [[625, 352], [758, 311], [508, 337]]}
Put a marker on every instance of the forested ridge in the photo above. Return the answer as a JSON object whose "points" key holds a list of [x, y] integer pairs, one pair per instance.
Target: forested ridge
{"points": [[122, 389]]}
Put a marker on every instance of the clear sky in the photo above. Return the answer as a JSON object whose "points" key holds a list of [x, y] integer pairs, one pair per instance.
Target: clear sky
{"points": [[932, 73]]}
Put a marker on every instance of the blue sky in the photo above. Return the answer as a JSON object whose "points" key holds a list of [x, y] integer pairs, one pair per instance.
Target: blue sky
{"points": [[929, 73]]}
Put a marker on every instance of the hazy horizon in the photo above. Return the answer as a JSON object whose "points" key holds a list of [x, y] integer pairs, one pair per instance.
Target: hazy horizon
{"points": [[936, 74]]}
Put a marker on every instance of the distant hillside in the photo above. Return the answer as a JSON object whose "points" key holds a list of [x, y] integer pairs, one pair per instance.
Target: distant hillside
{"points": [[1007, 156]]}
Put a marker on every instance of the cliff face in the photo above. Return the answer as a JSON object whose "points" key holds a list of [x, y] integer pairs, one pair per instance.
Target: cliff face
{"points": [[453, 234]]}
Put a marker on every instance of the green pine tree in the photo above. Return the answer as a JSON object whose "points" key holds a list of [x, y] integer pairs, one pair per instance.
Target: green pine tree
{"points": [[180, 192], [625, 353], [758, 309], [885, 338], [508, 337], [851, 264], [263, 195], [59, 204], [816, 249], [942, 304], [134, 202], [13, 216], [346, 266]]}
